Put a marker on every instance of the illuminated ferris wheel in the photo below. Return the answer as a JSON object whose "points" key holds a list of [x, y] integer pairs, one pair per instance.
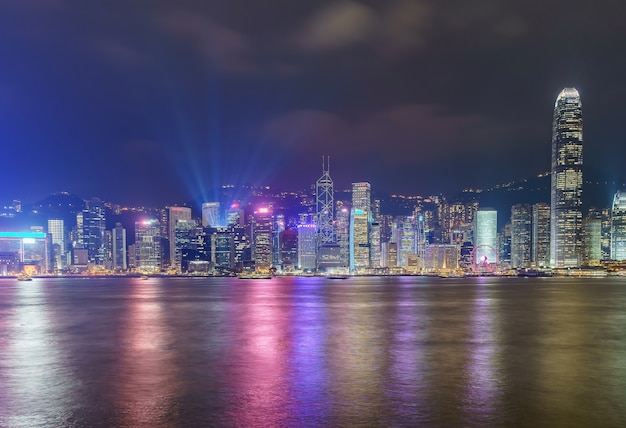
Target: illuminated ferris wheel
{"points": [[484, 258]]}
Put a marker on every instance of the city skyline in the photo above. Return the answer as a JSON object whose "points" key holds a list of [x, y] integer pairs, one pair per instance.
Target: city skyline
{"points": [[162, 102]]}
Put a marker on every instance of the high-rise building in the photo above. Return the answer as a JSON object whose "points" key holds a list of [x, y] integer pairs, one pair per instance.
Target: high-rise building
{"points": [[92, 224], [174, 216], [540, 254], [119, 247], [486, 238], [211, 214], [56, 229], [618, 227], [592, 241], [342, 229], [566, 181], [405, 235], [360, 218], [325, 206], [521, 235], [184, 238], [261, 232], [148, 246], [306, 247], [375, 248]]}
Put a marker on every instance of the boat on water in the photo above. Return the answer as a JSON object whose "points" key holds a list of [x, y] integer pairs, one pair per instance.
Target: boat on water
{"points": [[143, 277], [255, 275], [337, 276], [24, 278]]}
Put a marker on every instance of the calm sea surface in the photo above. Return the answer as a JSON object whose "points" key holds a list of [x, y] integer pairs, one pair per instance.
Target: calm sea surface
{"points": [[297, 352]]}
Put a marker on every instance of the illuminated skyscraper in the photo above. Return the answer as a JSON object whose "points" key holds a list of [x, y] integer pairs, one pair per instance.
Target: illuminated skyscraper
{"points": [[184, 239], [540, 254], [148, 246], [175, 215], [211, 215], [119, 247], [486, 237], [521, 234], [325, 206], [92, 224], [342, 229], [306, 246], [567, 181], [405, 235], [56, 229], [618, 227], [592, 241], [261, 226], [360, 218]]}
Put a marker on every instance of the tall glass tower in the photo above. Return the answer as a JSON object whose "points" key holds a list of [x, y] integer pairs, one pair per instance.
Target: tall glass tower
{"points": [[618, 227], [567, 181], [360, 218]]}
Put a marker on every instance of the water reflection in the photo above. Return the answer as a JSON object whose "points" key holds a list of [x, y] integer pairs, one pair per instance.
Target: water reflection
{"points": [[38, 384], [483, 386], [408, 384], [309, 365], [147, 378], [310, 352], [357, 353], [259, 366]]}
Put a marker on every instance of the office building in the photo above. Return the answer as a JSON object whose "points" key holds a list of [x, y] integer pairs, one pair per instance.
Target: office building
{"points": [[211, 214], [261, 224], [148, 246], [360, 218], [566, 181], [118, 236], [521, 235], [592, 241], [540, 254], [485, 239], [174, 216], [92, 225], [307, 247], [618, 226], [56, 230]]}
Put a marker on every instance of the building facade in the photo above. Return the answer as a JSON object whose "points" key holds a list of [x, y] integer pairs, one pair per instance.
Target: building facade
{"points": [[521, 235], [566, 181], [148, 246], [618, 227], [486, 238]]}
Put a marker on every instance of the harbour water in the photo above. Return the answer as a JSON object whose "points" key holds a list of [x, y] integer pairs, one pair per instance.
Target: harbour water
{"points": [[297, 352]]}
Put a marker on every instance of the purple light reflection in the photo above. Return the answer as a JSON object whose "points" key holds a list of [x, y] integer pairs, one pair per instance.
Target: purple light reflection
{"points": [[260, 365], [147, 374], [483, 394]]}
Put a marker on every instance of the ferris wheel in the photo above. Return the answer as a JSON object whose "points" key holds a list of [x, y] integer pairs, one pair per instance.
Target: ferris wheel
{"points": [[484, 258]]}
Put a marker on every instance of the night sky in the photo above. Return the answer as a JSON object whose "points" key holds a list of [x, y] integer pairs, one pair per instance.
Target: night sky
{"points": [[155, 101]]}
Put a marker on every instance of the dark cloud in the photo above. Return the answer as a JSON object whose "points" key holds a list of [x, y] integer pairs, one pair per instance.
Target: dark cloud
{"points": [[417, 91]]}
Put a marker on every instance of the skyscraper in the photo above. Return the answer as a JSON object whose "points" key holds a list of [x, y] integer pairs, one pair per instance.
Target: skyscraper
{"points": [[261, 226], [211, 214], [486, 238], [618, 227], [567, 181], [325, 206], [148, 246], [306, 246], [360, 217], [92, 224], [175, 215], [540, 255], [56, 229], [119, 247], [521, 234]]}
